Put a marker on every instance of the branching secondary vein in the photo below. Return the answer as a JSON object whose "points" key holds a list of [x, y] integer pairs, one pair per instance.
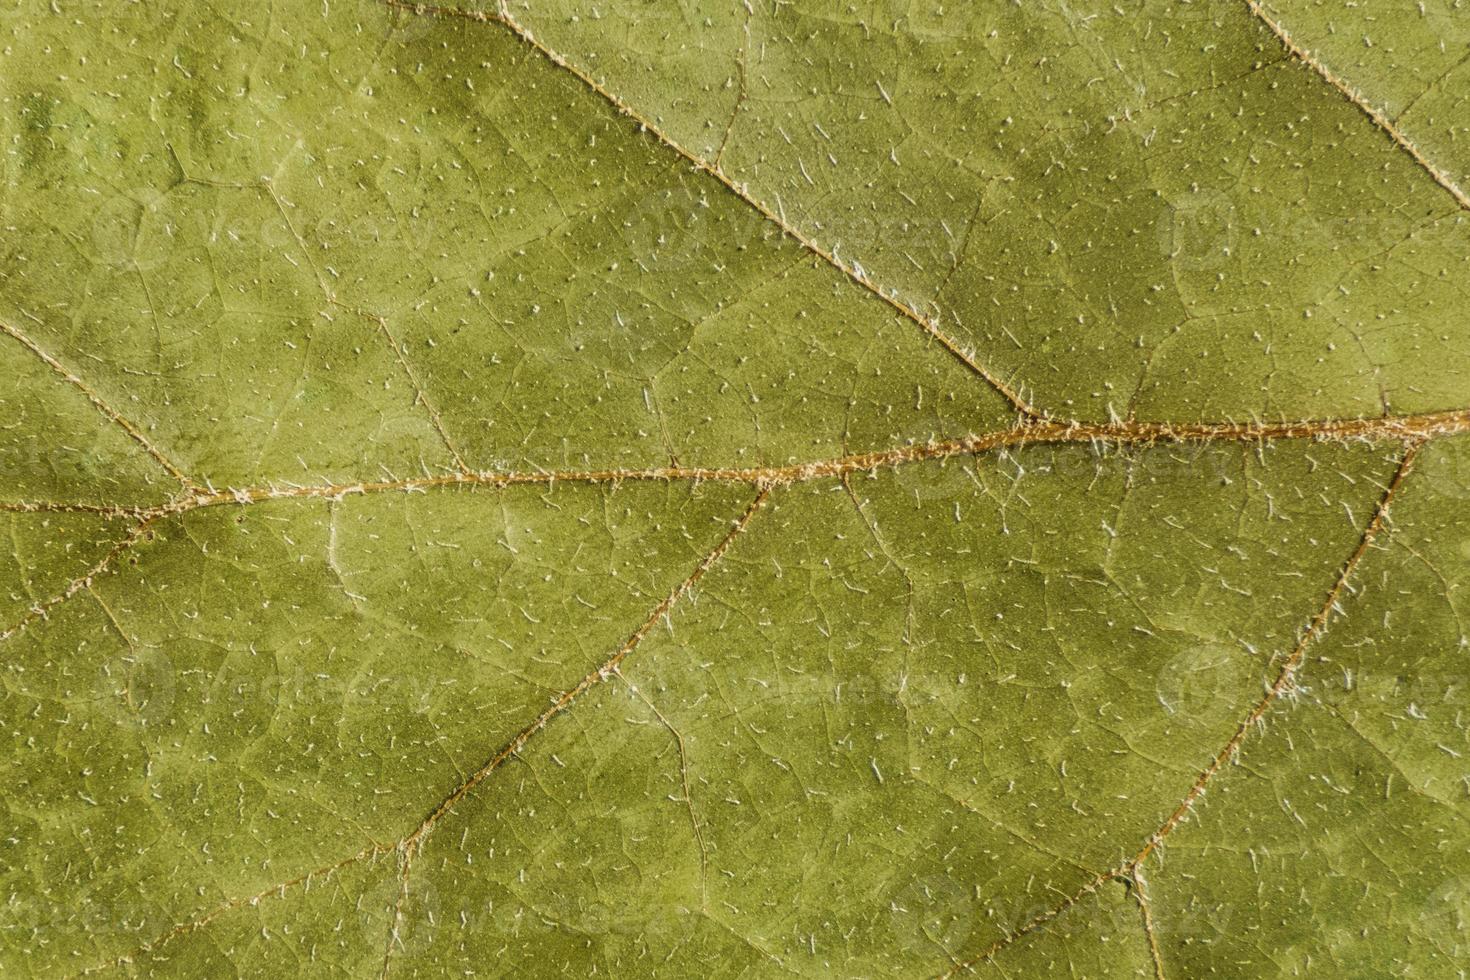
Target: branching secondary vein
{"points": [[82, 582], [1416, 428], [411, 845], [1146, 913], [194, 925], [134, 433], [419, 394], [856, 275], [408, 847], [1285, 680], [1356, 98]]}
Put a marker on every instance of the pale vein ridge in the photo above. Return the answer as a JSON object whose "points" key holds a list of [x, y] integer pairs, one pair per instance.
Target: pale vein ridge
{"points": [[1286, 678], [134, 433], [1285, 681], [927, 324], [1356, 98], [1146, 914], [194, 925]]}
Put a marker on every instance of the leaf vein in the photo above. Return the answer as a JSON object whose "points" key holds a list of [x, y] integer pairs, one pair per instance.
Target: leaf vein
{"points": [[1396, 428], [410, 846], [855, 275], [1285, 680], [1146, 914], [421, 396], [42, 610], [1356, 98], [133, 431]]}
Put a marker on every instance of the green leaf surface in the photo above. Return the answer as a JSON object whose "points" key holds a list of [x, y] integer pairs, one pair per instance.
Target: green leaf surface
{"points": [[671, 489]]}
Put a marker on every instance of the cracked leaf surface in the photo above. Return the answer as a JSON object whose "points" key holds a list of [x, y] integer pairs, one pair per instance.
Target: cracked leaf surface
{"points": [[865, 489]]}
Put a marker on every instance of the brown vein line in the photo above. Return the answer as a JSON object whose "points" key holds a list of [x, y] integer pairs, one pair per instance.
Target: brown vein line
{"points": [[420, 395], [1145, 911], [1287, 675], [411, 842], [193, 925], [97, 402], [1283, 683], [410, 846], [42, 609], [928, 325], [63, 507], [1036, 923], [1357, 99], [1396, 428], [1400, 428]]}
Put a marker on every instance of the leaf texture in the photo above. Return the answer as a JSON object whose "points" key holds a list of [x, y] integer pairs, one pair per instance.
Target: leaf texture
{"points": [[674, 488]]}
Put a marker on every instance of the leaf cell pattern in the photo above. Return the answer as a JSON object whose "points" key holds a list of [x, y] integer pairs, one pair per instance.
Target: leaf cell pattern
{"points": [[874, 488]]}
